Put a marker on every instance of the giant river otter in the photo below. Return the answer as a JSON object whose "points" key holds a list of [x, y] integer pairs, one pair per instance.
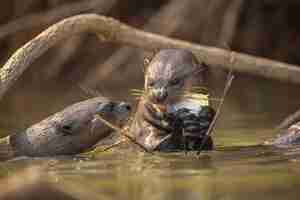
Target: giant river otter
{"points": [[166, 118], [70, 131]]}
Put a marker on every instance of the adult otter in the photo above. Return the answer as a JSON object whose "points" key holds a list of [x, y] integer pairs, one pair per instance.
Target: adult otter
{"points": [[159, 123], [70, 131]]}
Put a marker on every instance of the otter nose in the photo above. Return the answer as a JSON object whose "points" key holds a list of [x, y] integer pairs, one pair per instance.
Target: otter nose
{"points": [[160, 94], [126, 106]]}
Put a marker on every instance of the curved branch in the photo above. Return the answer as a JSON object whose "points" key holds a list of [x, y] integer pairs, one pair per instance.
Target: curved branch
{"points": [[55, 14], [177, 11], [112, 30]]}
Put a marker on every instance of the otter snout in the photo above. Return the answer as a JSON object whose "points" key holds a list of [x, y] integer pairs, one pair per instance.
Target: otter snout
{"points": [[118, 111], [122, 111], [158, 95], [118, 107]]}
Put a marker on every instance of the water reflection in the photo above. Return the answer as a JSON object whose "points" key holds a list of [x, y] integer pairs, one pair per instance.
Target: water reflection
{"points": [[253, 172]]}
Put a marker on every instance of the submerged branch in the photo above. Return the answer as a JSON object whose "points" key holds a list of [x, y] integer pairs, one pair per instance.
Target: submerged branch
{"points": [[111, 30]]}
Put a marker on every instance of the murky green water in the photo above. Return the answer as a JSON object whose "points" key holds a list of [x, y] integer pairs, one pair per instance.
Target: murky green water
{"points": [[238, 169], [235, 170]]}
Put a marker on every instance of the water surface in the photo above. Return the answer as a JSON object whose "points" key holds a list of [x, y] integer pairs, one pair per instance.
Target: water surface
{"points": [[235, 170], [238, 169]]}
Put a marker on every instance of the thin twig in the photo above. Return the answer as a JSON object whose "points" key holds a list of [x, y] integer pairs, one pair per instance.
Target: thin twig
{"points": [[122, 132], [229, 80], [111, 30], [98, 150]]}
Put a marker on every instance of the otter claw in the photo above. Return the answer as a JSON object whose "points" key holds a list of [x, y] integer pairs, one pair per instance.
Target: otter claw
{"points": [[158, 123], [154, 113], [159, 120]]}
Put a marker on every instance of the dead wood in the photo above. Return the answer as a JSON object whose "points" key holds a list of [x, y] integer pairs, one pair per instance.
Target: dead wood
{"points": [[176, 16], [111, 30], [55, 14]]}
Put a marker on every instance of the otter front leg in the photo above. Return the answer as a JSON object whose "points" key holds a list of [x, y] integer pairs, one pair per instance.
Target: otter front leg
{"points": [[154, 129], [159, 119]]}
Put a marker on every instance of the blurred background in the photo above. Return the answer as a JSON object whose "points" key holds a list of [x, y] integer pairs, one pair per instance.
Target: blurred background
{"points": [[267, 28]]}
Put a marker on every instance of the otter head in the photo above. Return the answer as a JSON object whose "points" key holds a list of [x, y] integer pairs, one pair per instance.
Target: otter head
{"points": [[169, 74], [117, 112]]}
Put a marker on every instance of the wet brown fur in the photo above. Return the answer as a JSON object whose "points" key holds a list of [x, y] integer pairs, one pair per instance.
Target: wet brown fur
{"points": [[70, 131], [165, 67]]}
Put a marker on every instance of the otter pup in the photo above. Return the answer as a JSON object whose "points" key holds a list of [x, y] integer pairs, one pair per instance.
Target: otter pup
{"points": [[70, 131], [164, 119]]}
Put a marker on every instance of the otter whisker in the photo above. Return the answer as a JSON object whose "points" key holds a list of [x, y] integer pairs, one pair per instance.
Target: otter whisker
{"points": [[196, 93], [140, 93], [137, 90], [200, 96], [136, 94], [200, 88], [203, 98]]}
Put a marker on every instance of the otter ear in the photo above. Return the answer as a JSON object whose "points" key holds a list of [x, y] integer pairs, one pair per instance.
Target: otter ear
{"points": [[148, 59], [146, 64]]}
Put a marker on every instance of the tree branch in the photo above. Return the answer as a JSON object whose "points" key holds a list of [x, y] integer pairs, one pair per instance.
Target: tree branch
{"points": [[110, 30], [179, 16], [55, 14]]}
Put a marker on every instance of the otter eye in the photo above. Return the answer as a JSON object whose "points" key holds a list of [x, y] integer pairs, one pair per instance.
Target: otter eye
{"points": [[151, 83], [175, 81]]}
